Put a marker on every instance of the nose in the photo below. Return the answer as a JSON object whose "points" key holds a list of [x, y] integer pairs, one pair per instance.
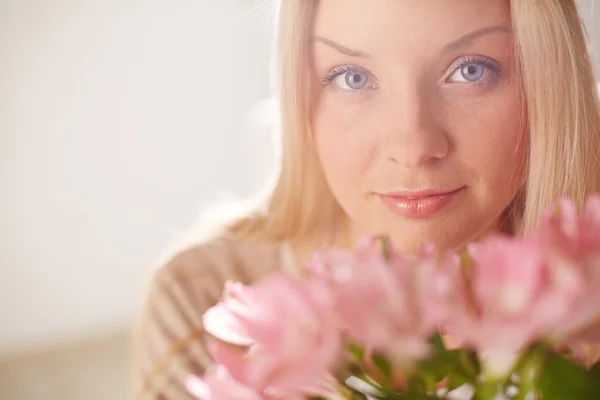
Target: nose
{"points": [[414, 133]]}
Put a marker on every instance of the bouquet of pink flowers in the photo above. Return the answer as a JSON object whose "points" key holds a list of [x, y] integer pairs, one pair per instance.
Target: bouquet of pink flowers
{"points": [[374, 324]]}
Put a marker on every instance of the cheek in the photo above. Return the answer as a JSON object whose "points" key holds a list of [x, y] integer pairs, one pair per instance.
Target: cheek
{"points": [[346, 141], [491, 140]]}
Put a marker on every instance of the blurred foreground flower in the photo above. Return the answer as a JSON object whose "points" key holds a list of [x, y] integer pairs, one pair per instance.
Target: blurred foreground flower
{"points": [[364, 324], [286, 325]]}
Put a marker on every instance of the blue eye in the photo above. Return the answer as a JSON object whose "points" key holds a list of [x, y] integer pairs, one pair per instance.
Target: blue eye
{"points": [[352, 80], [474, 70], [349, 78]]}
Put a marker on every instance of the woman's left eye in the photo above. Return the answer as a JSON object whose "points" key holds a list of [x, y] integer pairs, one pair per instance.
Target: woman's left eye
{"points": [[474, 71]]}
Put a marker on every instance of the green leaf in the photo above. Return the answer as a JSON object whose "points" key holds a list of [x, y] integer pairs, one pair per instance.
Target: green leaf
{"points": [[385, 246], [595, 369], [356, 351], [437, 341], [460, 366], [417, 384], [383, 365], [486, 390], [470, 363], [529, 369], [561, 379], [356, 395], [466, 263]]}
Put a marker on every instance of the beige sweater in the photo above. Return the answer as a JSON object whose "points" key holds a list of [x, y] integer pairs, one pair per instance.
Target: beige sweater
{"points": [[169, 342]]}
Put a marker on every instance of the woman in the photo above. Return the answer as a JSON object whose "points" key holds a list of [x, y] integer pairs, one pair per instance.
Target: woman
{"points": [[426, 120]]}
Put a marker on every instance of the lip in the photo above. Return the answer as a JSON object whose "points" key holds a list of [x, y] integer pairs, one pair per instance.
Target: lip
{"points": [[419, 204]]}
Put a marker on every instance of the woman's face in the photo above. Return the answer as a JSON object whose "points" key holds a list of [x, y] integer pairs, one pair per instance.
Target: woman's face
{"points": [[418, 116]]}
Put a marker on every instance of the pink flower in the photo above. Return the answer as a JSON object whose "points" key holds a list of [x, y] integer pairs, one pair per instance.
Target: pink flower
{"points": [[223, 320], [572, 241], [230, 378], [218, 384], [287, 324], [442, 289], [516, 297], [377, 302], [227, 379]]}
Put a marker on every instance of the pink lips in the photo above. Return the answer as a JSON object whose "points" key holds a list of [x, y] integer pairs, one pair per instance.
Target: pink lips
{"points": [[419, 204]]}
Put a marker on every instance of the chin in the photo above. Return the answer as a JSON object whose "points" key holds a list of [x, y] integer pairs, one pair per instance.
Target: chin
{"points": [[450, 230], [446, 236]]}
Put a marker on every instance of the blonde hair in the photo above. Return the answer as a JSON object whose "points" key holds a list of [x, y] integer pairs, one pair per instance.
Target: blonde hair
{"points": [[563, 122]]}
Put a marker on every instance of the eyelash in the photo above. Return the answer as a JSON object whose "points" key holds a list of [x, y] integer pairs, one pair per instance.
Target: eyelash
{"points": [[488, 63]]}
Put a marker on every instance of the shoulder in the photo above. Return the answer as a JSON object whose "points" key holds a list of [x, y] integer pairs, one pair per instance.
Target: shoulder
{"points": [[215, 260], [186, 282]]}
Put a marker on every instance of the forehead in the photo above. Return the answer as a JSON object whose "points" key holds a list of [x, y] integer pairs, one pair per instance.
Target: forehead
{"points": [[380, 25]]}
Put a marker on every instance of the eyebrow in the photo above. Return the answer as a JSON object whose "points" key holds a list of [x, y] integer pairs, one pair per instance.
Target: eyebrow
{"points": [[342, 49], [462, 42], [470, 37]]}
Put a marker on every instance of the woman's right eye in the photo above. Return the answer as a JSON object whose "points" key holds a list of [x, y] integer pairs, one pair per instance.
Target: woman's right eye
{"points": [[352, 80], [349, 78]]}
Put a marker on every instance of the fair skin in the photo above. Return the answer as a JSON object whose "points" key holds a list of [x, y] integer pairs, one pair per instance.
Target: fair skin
{"points": [[412, 96]]}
